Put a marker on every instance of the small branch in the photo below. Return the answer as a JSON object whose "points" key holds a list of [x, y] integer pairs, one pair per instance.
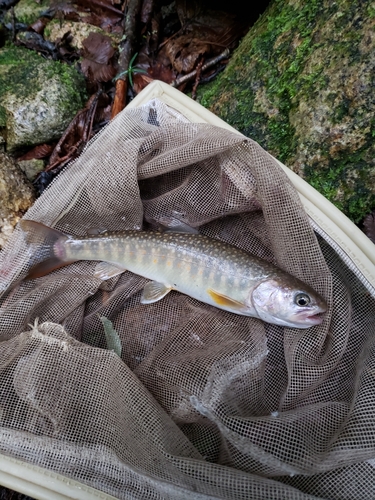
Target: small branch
{"points": [[126, 51], [197, 78], [119, 101], [209, 64]]}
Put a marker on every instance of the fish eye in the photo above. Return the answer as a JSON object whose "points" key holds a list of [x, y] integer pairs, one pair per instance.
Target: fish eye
{"points": [[302, 299]]}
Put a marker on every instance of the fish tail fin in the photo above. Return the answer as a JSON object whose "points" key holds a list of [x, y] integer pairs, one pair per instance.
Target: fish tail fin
{"points": [[49, 248]]}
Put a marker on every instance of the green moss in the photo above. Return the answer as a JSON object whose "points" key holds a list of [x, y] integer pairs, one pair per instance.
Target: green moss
{"points": [[335, 182], [72, 80], [292, 87], [341, 111], [28, 11], [23, 77], [347, 181], [276, 50], [370, 11], [19, 65]]}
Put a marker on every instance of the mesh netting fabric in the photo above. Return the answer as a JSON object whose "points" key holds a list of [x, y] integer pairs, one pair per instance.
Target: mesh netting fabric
{"points": [[204, 403]]}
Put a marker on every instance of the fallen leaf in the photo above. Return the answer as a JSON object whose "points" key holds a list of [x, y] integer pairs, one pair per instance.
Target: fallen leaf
{"points": [[140, 81], [162, 72], [41, 151], [78, 133], [101, 13], [98, 48], [97, 63], [39, 25], [185, 51], [204, 32], [111, 336]]}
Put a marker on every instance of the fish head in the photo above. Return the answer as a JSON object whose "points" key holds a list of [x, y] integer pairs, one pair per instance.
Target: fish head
{"points": [[287, 302]]}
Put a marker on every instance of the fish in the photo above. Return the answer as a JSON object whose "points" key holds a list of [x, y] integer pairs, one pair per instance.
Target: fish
{"points": [[209, 270]]}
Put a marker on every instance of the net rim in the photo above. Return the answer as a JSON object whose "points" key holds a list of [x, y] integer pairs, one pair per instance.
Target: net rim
{"points": [[44, 484]]}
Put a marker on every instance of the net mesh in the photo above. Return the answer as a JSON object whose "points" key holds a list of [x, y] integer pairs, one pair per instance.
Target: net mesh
{"points": [[203, 403]]}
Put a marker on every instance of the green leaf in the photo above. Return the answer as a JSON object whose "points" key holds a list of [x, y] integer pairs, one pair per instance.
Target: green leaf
{"points": [[112, 337], [132, 60]]}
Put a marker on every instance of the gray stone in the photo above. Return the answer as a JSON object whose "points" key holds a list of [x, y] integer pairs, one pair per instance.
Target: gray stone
{"points": [[79, 31], [31, 168], [38, 97], [16, 195], [28, 11]]}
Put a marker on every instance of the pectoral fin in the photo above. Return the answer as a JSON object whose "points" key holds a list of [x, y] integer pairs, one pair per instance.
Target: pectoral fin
{"points": [[153, 292], [225, 301], [106, 270]]}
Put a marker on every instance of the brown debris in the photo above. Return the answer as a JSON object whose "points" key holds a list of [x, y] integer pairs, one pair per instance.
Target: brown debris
{"points": [[101, 13], [76, 135], [37, 153], [98, 63], [190, 76], [126, 52]]}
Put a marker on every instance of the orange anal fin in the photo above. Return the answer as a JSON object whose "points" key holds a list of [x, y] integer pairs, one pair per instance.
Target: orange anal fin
{"points": [[45, 267], [225, 301]]}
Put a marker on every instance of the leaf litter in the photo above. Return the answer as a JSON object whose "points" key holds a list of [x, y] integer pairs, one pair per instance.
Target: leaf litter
{"points": [[182, 43]]}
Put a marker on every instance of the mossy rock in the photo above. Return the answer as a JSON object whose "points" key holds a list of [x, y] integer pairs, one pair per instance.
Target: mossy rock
{"points": [[301, 84], [38, 97], [28, 11]]}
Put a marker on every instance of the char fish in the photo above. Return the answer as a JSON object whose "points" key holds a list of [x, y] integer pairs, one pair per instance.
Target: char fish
{"points": [[206, 269]]}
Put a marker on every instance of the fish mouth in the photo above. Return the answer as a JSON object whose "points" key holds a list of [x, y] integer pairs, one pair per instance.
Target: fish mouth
{"points": [[312, 317]]}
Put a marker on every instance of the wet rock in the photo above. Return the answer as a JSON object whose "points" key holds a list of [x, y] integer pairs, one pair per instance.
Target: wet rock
{"points": [[301, 84], [38, 97], [28, 11], [78, 30], [31, 168], [16, 195]]}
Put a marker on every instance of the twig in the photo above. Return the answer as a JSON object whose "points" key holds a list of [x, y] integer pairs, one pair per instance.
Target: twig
{"points": [[126, 51], [197, 78], [209, 64]]}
